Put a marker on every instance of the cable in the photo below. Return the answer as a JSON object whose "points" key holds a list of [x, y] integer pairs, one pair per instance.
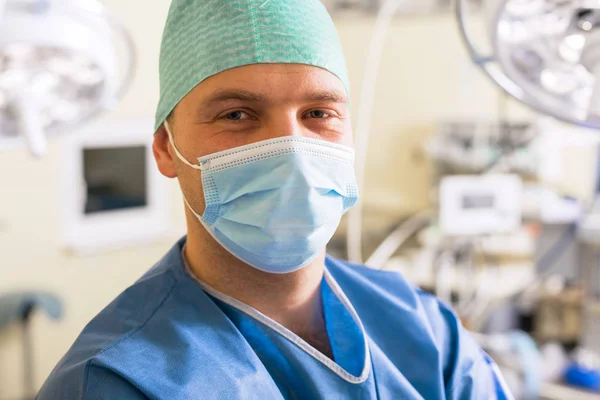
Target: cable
{"points": [[497, 165], [545, 267], [355, 215], [397, 238], [468, 294], [547, 262], [444, 276]]}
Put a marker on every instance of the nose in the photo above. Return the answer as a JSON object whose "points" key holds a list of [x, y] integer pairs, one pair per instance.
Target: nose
{"points": [[285, 124]]}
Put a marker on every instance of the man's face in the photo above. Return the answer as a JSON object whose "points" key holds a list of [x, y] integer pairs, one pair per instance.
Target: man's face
{"points": [[247, 105]]}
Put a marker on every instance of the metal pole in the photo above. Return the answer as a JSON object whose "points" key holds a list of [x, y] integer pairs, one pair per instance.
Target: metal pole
{"points": [[28, 381]]}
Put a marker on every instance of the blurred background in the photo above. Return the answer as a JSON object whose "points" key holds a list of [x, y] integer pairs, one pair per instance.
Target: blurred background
{"points": [[477, 138]]}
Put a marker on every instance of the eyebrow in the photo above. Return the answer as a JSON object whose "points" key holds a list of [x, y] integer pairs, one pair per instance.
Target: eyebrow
{"points": [[329, 96], [223, 96]]}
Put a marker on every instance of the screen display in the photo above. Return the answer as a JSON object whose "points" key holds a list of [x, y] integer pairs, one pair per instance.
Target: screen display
{"points": [[479, 201], [115, 178]]}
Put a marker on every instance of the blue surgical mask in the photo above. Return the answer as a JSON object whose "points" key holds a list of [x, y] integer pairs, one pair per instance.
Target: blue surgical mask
{"points": [[276, 204]]}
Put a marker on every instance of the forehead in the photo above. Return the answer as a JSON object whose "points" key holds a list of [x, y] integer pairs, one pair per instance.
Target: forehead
{"points": [[277, 82]]}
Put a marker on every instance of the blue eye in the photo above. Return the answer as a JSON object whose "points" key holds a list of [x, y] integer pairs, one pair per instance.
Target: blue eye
{"points": [[318, 114], [235, 116]]}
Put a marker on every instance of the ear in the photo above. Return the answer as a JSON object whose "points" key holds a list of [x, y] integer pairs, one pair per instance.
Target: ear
{"points": [[163, 154]]}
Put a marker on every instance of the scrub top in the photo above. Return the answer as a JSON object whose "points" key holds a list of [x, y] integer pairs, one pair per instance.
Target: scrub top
{"points": [[170, 336]]}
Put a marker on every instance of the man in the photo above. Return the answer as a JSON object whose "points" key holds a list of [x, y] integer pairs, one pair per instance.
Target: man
{"points": [[254, 122]]}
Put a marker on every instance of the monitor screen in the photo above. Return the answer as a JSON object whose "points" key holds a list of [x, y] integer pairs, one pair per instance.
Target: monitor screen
{"points": [[115, 178], [479, 201]]}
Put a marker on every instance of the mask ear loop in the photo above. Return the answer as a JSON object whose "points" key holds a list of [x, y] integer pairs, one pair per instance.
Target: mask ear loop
{"points": [[179, 155], [186, 162], [198, 216]]}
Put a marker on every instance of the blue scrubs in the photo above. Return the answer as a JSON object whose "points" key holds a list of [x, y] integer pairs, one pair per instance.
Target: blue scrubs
{"points": [[170, 336]]}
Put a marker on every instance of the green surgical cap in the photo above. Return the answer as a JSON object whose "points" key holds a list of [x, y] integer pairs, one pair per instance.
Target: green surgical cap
{"points": [[205, 37]]}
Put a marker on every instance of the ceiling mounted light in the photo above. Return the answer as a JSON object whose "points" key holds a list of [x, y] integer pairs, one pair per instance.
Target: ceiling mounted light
{"points": [[62, 62], [545, 53]]}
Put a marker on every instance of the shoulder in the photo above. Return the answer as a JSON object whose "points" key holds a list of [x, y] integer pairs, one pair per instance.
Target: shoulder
{"points": [[117, 323], [387, 287], [421, 320]]}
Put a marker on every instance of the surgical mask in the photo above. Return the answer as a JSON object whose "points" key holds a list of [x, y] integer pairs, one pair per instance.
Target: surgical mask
{"points": [[276, 204]]}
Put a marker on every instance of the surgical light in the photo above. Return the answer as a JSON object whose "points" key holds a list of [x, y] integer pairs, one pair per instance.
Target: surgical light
{"points": [[62, 62], [545, 53]]}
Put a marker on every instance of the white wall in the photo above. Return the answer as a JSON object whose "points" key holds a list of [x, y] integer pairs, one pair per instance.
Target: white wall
{"points": [[425, 76]]}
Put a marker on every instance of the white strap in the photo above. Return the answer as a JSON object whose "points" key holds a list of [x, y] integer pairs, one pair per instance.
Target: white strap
{"points": [[192, 210], [181, 157]]}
